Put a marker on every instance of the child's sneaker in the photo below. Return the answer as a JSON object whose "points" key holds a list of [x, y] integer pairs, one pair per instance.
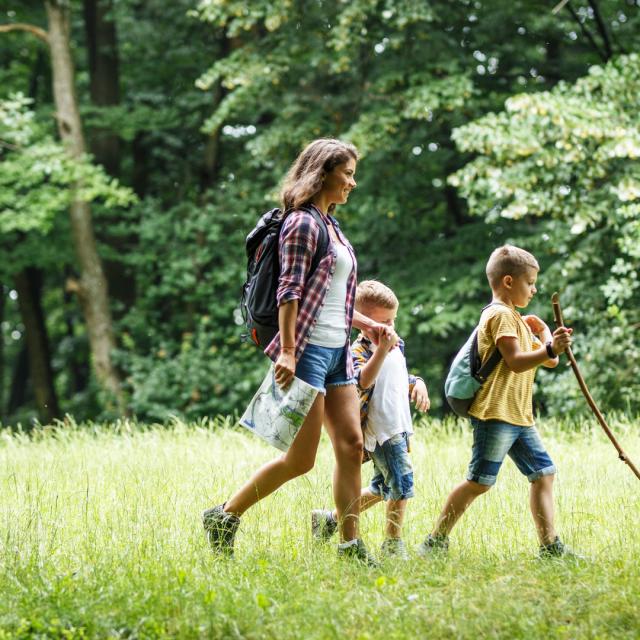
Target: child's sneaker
{"points": [[357, 550], [434, 546], [558, 549], [221, 528], [394, 548], [323, 526]]}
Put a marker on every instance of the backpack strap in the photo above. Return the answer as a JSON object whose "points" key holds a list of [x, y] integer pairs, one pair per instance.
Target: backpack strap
{"points": [[323, 238], [487, 368]]}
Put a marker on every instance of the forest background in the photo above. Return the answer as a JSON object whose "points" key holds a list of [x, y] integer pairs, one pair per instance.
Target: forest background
{"points": [[141, 140]]}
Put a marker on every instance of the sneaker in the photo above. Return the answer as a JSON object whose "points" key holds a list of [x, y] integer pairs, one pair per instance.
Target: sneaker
{"points": [[394, 548], [358, 552], [221, 528], [323, 526], [434, 546], [558, 549]]}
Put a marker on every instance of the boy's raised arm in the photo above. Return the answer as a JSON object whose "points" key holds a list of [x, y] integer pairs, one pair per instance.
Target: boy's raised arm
{"points": [[541, 331], [519, 361], [369, 371]]}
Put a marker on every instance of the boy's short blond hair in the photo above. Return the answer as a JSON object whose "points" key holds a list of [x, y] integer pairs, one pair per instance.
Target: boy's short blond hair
{"points": [[509, 261], [371, 293]]}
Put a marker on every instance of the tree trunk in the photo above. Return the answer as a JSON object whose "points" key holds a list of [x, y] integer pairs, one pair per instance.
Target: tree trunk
{"points": [[78, 370], [92, 288], [19, 381], [104, 78], [453, 207], [211, 159], [2, 294], [139, 153], [28, 284]]}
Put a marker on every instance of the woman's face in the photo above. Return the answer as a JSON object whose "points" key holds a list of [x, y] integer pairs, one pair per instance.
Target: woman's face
{"points": [[339, 182]]}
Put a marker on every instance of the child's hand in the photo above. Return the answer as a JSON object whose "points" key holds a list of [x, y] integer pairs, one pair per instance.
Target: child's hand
{"points": [[375, 331], [420, 396], [561, 340], [534, 323], [387, 339]]}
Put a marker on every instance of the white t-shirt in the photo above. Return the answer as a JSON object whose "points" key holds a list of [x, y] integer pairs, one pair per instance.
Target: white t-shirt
{"points": [[389, 412], [331, 324]]}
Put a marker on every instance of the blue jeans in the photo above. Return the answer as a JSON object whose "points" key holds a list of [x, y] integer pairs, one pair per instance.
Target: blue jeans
{"points": [[323, 367], [392, 470], [493, 440]]}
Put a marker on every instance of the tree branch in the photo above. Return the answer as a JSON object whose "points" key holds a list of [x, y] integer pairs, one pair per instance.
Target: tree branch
{"points": [[586, 33], [601, 28], [29, 28], [559, 7]]}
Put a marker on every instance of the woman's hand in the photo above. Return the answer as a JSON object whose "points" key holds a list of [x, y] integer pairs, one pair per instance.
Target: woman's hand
{"points": [[376, 330], [285, 367], [420, 396], [387, 339]]}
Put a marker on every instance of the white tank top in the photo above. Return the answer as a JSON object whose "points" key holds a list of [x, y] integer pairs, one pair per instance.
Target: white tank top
{"points": [[331, 324]]}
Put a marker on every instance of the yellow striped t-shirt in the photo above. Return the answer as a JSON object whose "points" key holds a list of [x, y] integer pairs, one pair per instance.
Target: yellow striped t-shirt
{"points": [[506, 395]]}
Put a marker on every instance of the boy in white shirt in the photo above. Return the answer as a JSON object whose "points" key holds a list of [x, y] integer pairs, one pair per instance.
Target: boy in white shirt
{"points": [[385, 388]]}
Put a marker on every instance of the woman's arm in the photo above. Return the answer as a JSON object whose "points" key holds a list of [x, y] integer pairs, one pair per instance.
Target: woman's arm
{"points": [[298, 241], [285, 366], [370, 328]]}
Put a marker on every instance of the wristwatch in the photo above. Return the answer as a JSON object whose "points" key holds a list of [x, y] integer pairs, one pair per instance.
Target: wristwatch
{"points": [[550, 351]]}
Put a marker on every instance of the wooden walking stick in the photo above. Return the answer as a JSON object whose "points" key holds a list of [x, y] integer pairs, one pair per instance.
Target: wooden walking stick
{"points": [[557, 315]]}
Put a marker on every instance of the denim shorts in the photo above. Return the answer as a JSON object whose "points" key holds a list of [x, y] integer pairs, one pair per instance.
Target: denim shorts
{"points": [[392, 470], [323, 367], [493, 440]]}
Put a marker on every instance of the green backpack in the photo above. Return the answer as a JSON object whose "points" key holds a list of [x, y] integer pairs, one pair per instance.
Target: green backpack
{"points": [[467, 374]]}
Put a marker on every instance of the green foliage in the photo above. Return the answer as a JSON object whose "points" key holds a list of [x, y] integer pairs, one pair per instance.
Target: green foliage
{"points": [[39, 179], [571, 158], [207, 134], [181, 344]]}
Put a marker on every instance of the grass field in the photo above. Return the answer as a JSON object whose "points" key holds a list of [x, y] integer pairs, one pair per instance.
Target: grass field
{"points": [[100, 536]]}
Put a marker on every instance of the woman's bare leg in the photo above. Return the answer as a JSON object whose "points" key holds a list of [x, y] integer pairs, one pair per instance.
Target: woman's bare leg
{"points": [[298, 460], [342, 420], [367, 499]]}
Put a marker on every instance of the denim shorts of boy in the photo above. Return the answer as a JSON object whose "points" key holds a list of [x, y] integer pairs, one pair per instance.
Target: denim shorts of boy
{"points": [[494, 439], [392, 470], [323, 367]]}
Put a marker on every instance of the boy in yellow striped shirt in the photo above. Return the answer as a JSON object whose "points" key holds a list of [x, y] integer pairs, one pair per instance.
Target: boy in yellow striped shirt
{"points": [[502, 411]]}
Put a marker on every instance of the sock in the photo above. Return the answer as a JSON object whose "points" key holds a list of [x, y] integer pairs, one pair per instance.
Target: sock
{"points": [[350, 543], [229, 515]]}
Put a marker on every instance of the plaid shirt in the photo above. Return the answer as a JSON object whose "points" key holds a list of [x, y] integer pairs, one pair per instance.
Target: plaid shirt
{"points": [[298, 242], [361, 352]]}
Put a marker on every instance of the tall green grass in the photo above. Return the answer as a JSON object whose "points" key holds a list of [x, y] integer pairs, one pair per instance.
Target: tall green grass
{"points": [[100, 536]]}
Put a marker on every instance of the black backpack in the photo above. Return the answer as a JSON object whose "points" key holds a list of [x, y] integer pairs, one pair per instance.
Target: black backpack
{"points": [[258, 302]]}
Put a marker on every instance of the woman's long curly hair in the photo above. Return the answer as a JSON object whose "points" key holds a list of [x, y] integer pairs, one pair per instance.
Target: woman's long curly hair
{"points": [[306, 175]]}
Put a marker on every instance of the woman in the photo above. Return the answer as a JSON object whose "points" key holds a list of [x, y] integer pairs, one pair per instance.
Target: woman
{"points": [[316, 312]]}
